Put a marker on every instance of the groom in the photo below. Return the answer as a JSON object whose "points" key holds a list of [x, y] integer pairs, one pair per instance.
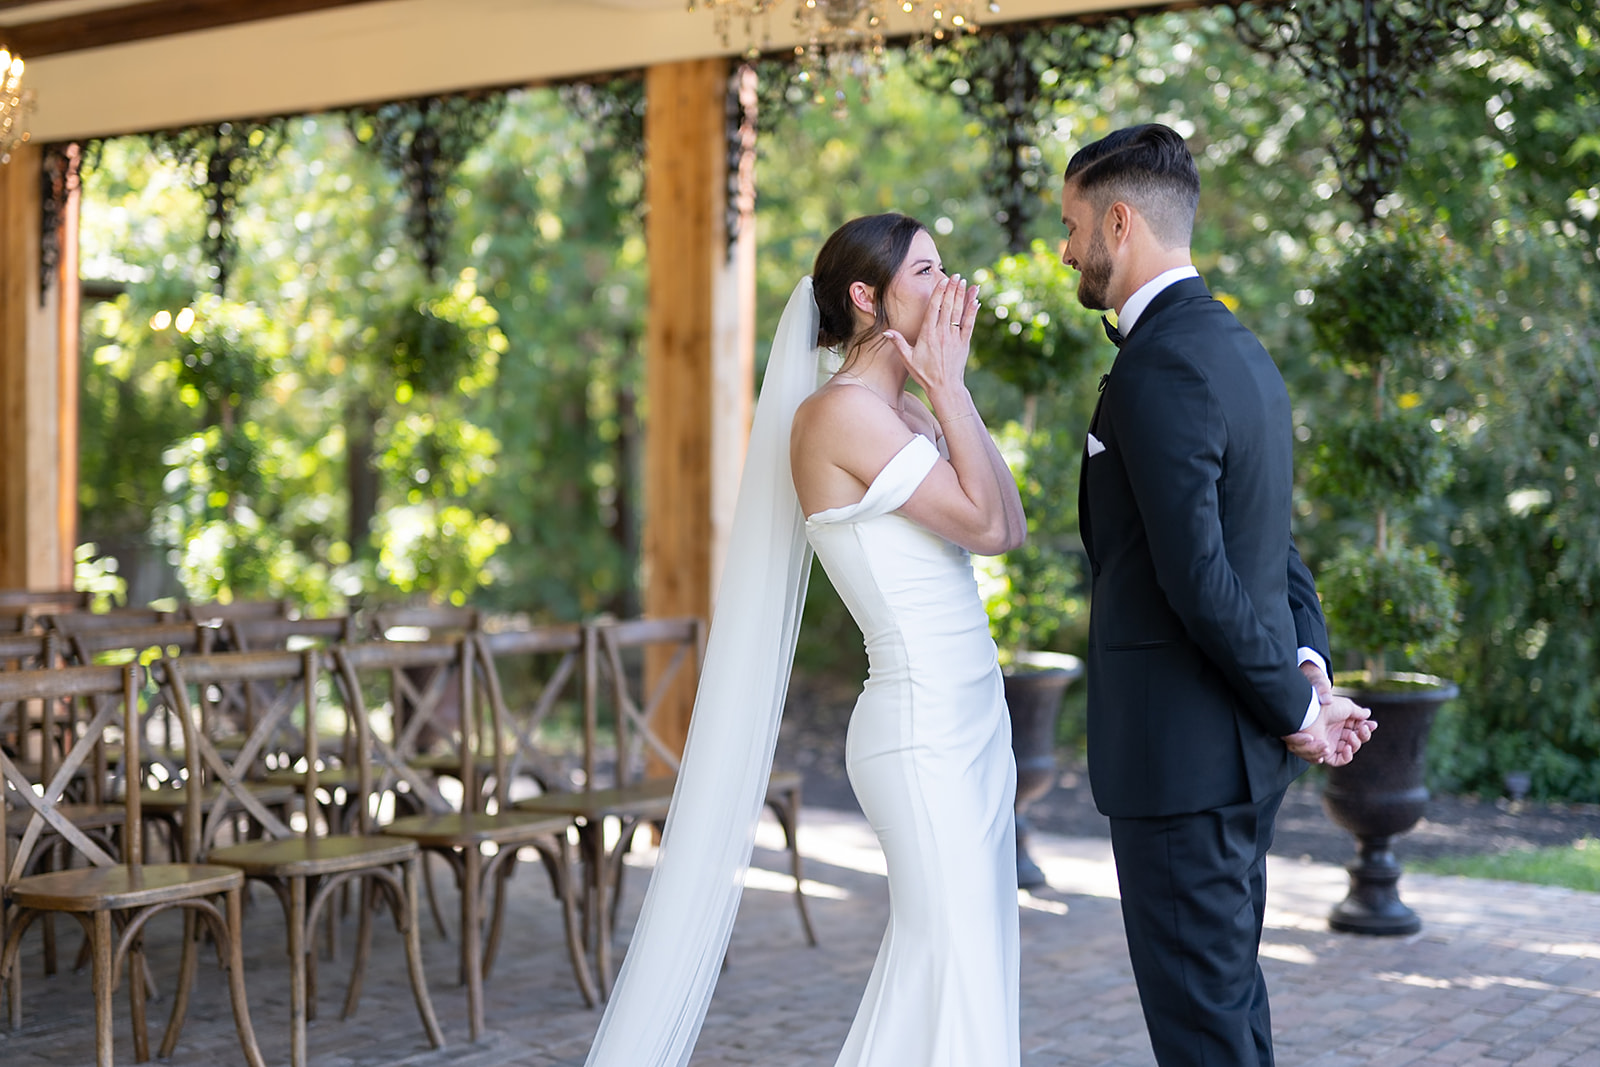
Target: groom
{"points": [[1199, 713]]}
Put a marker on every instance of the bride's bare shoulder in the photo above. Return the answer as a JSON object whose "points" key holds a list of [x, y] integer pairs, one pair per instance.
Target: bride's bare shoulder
{"points": [[836, 407]]}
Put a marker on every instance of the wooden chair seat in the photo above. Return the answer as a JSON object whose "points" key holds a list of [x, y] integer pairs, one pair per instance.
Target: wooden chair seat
{"points": [[448, 763], [647, 800], [312, 857], [173, 798], [467, 828], [338, 776], [90, 889]]}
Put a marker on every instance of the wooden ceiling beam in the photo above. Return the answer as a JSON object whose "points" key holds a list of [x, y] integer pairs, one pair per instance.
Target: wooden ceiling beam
{"points": [[142, 21]]}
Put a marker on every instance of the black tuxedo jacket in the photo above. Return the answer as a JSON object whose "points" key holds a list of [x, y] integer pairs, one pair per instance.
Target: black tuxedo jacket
{"points": [[1200, 599]]}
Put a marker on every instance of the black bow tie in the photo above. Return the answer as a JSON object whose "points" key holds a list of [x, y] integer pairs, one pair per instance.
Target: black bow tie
{"points": [[1112, 332]]}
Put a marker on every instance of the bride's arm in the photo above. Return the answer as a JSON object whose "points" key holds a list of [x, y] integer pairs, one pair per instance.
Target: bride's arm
{"points": [[1016, 520]]}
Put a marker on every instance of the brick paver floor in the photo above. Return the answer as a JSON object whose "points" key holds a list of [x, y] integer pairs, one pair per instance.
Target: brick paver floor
{"points": [[1500, 974]]}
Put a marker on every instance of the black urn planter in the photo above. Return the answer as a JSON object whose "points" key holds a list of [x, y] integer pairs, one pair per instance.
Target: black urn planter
{"points": [[1381, 794], [1035, 684]]}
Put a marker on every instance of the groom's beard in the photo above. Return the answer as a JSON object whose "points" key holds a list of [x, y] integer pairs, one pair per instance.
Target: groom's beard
{"points": [[1094, 275]]}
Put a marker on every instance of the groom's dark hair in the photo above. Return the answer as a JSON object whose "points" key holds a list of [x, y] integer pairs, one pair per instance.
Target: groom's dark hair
{"points": [[867, 249], [1148, 167]]}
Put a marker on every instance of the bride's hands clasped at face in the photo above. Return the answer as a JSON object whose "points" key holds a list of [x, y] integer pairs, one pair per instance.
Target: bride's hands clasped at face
{"points": [[937, 358]]}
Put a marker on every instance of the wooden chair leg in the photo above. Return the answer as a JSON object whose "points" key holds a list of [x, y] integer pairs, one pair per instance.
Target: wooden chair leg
{"points": [[11, 969], [592, 839], [180, 998], [618, 866], [491, 945], [472, 937], [433, 899], [358, 970], [136, 1001], [569, 892], [47, 923], [102, 978], [236, 992], [788, 812], [419, 981], [297, 972]]}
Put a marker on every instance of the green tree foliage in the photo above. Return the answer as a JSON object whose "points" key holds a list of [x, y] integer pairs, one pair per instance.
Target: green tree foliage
{"points": [[556, 210]]}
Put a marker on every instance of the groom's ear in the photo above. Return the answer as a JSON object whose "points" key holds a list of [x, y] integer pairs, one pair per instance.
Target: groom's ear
{"points": [[861, 296], [1119, 223]]}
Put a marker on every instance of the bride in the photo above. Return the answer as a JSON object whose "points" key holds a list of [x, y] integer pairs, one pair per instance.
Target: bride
{"points": [[892, 496]]}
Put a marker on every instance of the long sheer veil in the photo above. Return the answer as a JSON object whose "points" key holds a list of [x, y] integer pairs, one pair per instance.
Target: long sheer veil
{"points": [[660, 1000]]}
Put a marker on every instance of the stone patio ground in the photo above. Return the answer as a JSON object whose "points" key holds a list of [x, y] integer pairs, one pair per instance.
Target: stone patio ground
{"points": [[1500, 974]]}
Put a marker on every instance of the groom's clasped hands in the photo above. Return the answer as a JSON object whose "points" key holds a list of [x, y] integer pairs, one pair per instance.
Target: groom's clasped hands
{"points": [[1341, 727]]}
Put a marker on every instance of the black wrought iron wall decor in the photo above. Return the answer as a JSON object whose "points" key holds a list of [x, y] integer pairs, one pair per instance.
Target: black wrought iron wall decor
{"points": [[616, 105], [425, 141], [1010, 78], [743, 102], [1366, 58], [222, 159], [59, 177], [777, 92]]}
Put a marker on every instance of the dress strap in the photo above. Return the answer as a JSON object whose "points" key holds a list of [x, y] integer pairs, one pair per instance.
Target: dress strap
{"points": [[892, 487]]}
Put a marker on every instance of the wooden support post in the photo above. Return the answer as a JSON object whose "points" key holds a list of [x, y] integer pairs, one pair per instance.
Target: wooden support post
{"points": [[700, 340], [38, 385]]}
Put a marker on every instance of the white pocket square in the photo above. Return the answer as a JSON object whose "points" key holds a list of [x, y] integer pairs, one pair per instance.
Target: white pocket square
{"points": [[1095, 447]]}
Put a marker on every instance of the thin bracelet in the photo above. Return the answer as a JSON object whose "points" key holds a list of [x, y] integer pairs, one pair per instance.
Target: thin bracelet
{"points": [[955, 418]]}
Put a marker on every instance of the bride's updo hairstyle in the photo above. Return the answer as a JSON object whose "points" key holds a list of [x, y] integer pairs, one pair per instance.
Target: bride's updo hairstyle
{"points": [[868, 249]]}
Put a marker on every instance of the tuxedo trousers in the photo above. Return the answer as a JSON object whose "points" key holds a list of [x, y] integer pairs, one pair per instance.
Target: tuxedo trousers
{"points": [[1194, 895]]}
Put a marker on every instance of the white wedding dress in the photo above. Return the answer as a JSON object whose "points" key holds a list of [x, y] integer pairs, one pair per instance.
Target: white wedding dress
{"points": [[929, 755]]}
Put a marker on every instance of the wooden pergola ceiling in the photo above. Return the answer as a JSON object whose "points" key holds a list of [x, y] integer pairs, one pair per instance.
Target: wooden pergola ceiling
{"points": [[105, 67], [38, 28]]}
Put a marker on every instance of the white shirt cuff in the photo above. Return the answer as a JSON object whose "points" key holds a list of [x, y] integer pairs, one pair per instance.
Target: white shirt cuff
{"points": [[1304, 654]]}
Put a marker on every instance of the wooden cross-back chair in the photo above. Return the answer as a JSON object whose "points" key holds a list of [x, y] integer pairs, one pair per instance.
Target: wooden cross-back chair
{"points": [[249, 633], [26, 610], [63, 599], [305, 866], [111, 619], [27, 652], [267, 634], [215, 613], [424, 622], [639, 663], [113, 900], [227, 721], [460, 833], [21, 732], [35, 735], [528, 675]]}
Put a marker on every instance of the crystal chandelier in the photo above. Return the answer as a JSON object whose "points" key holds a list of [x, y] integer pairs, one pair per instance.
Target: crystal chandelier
{"points": [[15, 102], [842, 37]]}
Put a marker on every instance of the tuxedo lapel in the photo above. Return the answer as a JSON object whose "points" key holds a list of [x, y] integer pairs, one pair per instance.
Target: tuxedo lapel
{"points": [[1177, 292]]}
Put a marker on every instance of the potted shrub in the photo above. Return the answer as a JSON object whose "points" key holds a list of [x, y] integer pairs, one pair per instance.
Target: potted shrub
{"points": [[1388, 314], [1033, 335]]}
